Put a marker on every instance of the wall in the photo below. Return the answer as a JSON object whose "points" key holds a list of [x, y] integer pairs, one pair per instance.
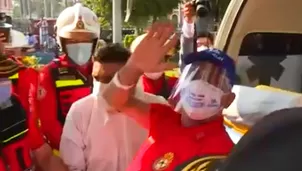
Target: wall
{"points": [[6, 6]]}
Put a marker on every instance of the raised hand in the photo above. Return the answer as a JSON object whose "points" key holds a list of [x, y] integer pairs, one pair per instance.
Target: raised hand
{"points": [[188, 12], [150, 52]]}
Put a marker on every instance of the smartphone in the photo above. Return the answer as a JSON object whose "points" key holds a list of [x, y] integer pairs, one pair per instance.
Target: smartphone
{"points": [[6, 32]]}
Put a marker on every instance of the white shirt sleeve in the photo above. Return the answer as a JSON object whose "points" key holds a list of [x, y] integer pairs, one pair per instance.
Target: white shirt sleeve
{"points": [[72, 144], [188, 29]]}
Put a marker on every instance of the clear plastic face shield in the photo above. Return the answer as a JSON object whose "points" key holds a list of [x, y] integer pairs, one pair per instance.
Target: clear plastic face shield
{"points": [[201, 90]]}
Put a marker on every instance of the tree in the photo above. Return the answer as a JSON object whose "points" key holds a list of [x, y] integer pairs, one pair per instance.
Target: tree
{"points": [[37, 8], [128, 39], [142, 10], [103, 9]]}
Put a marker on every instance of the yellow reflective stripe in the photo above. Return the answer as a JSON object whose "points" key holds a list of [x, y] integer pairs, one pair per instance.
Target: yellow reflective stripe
{"points": [[15, 136], [15, 76], [67, 83], [56, 152]]}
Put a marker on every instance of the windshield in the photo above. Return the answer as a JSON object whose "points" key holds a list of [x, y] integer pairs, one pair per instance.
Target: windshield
{"points": [[273, 59]]}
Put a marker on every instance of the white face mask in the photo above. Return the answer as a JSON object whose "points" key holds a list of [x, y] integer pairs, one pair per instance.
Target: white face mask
{"points": [[201, 100], [80, 53], [202, 47], [5, 90], [154, 75]]}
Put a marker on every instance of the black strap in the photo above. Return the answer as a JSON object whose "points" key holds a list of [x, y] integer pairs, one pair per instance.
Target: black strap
{"points": [[14, 115]]}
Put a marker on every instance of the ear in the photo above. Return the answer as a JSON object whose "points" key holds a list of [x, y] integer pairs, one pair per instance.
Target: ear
{"points": [[97, 69], [227, 99]]}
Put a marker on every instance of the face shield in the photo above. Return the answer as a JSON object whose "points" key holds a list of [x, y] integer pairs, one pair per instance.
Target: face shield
{"points": [[203, 85]]}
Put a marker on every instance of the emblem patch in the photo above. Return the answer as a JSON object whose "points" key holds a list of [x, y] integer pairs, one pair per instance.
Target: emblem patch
{"points": [[41, 93], [163, 162]]}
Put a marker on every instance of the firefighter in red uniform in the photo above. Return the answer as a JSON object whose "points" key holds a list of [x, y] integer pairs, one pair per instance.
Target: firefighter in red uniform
{"points": [[14, 128], [15, 82], [68, 78], [192, 135], [157, 83]]}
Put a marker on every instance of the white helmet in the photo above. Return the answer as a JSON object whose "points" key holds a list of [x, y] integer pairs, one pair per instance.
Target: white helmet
{"points": [[80, 24], [77, 22], [18, 39]]}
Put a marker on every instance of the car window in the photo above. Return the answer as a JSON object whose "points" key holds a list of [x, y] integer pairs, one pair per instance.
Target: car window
{"points": [[273, 59]]}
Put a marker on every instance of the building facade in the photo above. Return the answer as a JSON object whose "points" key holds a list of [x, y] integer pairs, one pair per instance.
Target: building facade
{"points": [[6, 6]]}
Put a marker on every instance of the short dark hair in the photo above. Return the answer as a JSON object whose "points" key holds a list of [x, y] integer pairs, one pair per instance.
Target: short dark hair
{"points": [[113, 52], [206, 34]]}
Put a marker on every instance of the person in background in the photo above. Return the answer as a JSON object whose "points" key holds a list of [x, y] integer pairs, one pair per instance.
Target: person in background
{"points": [[156, 83], [15, 82], [52, 43], [31, 39], [204, 39], [43, 32], [188, 133], [95, 135]]}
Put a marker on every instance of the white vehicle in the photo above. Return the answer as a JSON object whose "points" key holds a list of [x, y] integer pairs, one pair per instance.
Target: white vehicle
{"points": [[265, 39]]}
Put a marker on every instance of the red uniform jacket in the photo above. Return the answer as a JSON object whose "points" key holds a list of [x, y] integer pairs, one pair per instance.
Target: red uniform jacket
{"points": [[60, 84], [15, 114], [162, 86], [172, 147], [2, 165]]}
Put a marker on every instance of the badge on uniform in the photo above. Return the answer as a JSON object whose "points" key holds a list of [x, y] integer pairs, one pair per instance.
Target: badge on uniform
{"points": [[163, 162], [41, 92]]}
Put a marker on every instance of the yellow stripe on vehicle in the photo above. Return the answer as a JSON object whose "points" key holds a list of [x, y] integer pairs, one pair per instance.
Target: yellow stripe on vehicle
{"points": [[264, 87], [68, 83], [15, 136], [242, 129]]}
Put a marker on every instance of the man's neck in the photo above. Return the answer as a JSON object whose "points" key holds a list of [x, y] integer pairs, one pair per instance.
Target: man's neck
{"points": [[186, 121]]}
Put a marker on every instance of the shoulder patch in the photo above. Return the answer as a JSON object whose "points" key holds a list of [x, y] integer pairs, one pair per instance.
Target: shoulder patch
{"points": [[163, 162], [41, 93]]}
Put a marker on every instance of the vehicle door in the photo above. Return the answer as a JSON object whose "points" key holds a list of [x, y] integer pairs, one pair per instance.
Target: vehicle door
{"points": [[265, 39]]}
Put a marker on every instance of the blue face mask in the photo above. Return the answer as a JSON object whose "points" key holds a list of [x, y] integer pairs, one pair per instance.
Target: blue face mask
{"points": [[5, 90]]}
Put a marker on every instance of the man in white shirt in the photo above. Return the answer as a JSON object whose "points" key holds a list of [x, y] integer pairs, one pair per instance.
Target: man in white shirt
{"points": [[93, 139]]}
